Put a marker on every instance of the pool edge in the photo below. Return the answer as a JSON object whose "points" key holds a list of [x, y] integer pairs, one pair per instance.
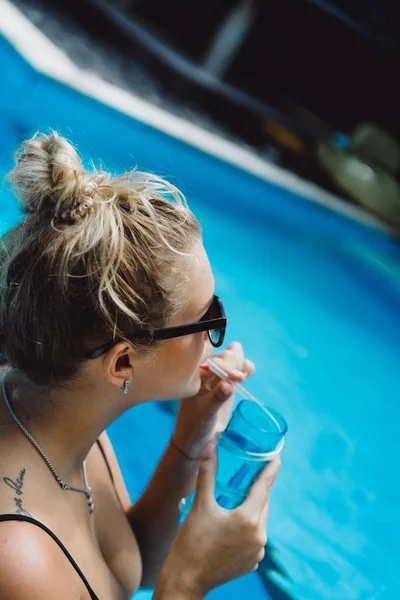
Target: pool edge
{"points": [[46, 58]]}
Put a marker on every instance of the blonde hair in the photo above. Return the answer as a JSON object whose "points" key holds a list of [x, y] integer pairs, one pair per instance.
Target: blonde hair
{"points": [[68, 283]]}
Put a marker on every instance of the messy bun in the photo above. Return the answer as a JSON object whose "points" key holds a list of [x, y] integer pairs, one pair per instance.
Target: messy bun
{"points": [[95, 258], [49, 177]]}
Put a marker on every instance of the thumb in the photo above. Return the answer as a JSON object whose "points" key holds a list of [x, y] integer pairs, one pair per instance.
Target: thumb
{"points": [[205, 486]]}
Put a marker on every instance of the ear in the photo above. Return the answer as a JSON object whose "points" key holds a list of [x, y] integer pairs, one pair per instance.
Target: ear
{"points": [[118, 364]]}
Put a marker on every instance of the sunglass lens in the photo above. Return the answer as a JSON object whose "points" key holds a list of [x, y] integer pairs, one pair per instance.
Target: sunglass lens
{"points": [[215, 335], [215, 312]]}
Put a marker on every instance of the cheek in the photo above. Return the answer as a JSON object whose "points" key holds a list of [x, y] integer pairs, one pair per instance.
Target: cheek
{"points": [[190, 354], [197, 353], [184, 360]]}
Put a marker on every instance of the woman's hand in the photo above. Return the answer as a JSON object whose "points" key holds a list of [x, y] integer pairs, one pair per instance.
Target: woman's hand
{"points": [[215, 545], [202, 416]]}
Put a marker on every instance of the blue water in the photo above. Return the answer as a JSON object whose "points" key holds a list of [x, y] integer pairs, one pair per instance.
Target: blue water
{"points": [[315, 300]]}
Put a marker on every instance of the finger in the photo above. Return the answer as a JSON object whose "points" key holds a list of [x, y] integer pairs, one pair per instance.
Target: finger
{"points": [[236, 374], [223, 391], [206, 385], [205, 486], [258, 496], [238, 351], [248, 367], [220, 394], [233, 356], [236, 370], [217, 394], [226, 361], [232, 372]]}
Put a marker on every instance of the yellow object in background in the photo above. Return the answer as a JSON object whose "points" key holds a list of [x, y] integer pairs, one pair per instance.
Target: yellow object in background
{"points": [[284, 136]]}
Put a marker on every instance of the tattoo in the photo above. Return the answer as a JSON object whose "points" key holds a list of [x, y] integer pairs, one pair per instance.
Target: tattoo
{"points": [[17, 486]]}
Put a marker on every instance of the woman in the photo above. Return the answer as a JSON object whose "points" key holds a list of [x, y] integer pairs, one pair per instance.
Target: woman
{"points": [[107, 301]]}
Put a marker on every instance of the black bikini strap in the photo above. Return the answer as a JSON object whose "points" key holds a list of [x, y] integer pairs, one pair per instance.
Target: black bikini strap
{"points": [[11, 517], [105, 460]]}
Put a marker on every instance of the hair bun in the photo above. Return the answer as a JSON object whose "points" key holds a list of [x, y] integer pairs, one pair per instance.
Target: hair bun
{"points": [[48, 177]]}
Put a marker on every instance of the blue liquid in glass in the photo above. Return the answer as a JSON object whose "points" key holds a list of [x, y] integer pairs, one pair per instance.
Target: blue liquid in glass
{"points": [[237, 471]]}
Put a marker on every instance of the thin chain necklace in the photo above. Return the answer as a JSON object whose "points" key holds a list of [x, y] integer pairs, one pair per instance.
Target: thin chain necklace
{"points": [[65, 486]]}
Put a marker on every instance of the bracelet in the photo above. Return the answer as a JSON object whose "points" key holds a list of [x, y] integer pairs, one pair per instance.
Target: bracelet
{"points": [[182, 452]]}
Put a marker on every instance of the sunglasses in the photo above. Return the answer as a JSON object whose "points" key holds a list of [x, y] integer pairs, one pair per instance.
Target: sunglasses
{"points": [[213, 322]]}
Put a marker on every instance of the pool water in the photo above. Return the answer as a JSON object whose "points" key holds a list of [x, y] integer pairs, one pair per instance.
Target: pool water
{"points": [[315, 300]]}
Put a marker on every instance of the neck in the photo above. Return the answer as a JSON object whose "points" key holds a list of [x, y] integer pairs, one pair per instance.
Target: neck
{"points": [[64, 421]]}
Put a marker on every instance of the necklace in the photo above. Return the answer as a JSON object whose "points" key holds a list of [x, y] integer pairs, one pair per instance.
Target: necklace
{"points": [[65, 486]]}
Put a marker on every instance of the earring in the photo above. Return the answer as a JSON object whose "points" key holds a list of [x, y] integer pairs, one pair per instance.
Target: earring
{"points": [[124, 389]]}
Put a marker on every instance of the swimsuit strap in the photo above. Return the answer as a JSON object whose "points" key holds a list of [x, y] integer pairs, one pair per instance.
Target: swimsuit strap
{"points": [[12, 517], [105, 460]]}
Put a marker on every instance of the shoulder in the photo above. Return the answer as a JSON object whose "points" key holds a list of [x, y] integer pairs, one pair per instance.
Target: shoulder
{"points": [[32, 566]]}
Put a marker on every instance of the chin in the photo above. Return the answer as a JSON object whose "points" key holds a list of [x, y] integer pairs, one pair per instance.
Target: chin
{"points": [[192, 388]]}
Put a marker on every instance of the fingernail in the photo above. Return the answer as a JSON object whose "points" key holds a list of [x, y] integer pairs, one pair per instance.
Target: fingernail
{"points": [[226, 387], [238, 373], [204, 367]]}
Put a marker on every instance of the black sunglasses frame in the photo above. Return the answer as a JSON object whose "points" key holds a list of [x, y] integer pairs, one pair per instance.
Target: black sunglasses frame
{"points": [[168, 333]]}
